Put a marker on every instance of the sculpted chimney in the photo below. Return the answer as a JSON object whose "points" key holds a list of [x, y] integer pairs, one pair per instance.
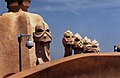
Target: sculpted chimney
{"points": [[15, 5]]}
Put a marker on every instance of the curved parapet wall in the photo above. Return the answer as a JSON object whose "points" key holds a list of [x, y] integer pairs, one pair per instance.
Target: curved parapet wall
{"points": [[93, 65]]}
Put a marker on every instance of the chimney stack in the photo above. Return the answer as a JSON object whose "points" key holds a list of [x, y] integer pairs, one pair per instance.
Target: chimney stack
{"points": [[16, 5]]}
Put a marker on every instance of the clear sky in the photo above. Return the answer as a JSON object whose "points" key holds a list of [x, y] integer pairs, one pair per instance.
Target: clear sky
{"points": [[97, 19]]}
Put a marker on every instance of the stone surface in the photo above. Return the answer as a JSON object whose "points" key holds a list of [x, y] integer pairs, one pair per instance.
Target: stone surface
{"points": [[12, 24], [89, 65], [68, 42], [42, 39]]}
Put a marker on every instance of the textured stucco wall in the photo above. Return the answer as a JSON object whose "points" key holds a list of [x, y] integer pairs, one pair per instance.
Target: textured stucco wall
{"points": [[12, 24]]}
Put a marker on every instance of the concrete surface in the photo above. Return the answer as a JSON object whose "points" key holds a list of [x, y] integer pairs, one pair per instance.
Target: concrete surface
{"points": [[91, 65]]}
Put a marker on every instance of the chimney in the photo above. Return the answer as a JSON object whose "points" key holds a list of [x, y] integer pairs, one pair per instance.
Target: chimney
{"points": [[16, 5]]}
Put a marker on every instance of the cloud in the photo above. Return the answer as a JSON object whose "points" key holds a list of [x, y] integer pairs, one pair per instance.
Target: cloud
{"points": [[76, 5]]}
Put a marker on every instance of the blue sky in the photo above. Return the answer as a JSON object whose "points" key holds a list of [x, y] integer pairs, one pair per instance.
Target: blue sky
{"points": [[97, 19]]}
